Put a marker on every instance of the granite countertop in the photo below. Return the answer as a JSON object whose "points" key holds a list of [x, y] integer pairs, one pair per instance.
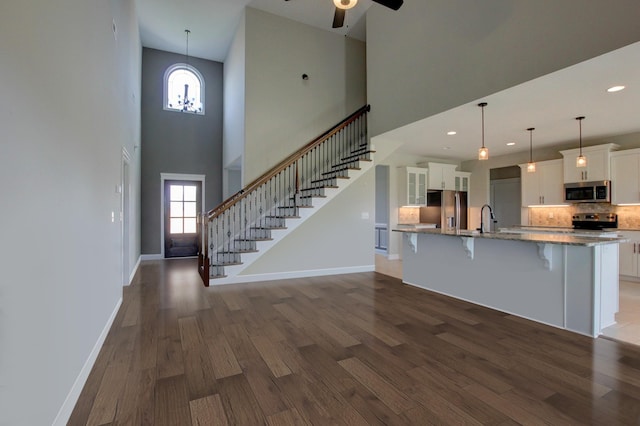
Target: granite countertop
{"points": [[569, 229], [560, 230], [534, 237]]}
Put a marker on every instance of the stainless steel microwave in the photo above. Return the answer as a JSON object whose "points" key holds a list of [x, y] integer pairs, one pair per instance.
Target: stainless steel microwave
{"points": [[588, 192]]}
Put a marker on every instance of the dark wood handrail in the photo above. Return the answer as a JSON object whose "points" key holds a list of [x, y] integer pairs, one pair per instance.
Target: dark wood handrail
{"points": [[284, 164]]}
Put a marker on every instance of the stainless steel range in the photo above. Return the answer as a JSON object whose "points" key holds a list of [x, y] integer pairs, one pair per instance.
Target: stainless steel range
{"points": [[594, 221]]}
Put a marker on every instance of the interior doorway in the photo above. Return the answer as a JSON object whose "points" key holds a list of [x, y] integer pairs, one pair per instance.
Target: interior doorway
{"points": [[505, 196], [382, 209]]}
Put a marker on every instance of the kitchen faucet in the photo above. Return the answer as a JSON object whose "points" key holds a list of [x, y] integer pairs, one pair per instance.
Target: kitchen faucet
{"points": [[493, 218]]}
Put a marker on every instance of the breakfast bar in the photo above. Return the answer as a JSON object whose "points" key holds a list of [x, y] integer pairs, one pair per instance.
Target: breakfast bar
{"points": [[564, 280]]}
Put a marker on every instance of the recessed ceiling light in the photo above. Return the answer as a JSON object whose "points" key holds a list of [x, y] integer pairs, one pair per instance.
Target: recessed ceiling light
{"points": [[446, 148], [511, 143], [451, 133], [615, 89]]}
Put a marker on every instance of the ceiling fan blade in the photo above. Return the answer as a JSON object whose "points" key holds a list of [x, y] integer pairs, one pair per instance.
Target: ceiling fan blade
{"points": [[391, 4], [338, 18]]}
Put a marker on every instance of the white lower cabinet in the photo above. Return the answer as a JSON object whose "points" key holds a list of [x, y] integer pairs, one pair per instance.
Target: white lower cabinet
{"points": [[630, 254]]}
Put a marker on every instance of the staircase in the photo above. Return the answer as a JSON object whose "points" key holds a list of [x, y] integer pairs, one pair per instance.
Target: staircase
{"points": [[238, 231]]}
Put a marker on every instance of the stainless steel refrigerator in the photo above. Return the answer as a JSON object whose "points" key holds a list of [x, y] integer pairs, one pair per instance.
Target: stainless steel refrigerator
{"points": [[447, 209]]}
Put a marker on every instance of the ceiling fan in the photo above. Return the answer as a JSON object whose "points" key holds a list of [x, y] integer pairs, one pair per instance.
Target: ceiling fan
{"points": [[343, 5]]}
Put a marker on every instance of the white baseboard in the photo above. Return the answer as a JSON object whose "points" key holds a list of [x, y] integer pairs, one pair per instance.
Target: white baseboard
{"points": [[135, 269], [72, 398], [393, 257], [238, 279], [151, 256], [629, 278]]}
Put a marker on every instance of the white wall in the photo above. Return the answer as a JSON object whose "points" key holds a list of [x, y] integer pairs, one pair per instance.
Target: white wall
{"points": [[234, 99], [431, 56], [71, 96], [283, 112], [334, 237]]}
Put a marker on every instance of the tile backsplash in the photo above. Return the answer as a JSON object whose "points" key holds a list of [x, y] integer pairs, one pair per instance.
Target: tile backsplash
{"points": [[628, 216], [408, 215]]}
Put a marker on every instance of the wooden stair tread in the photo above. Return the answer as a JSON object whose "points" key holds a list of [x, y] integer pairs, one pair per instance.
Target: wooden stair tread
{"points": [[238, 252], [330, 179], [255, 239], [319, 187], [218, 264], [342, 169], [268, 227]]}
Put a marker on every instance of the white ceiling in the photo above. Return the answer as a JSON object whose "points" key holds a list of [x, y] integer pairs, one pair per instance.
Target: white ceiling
{"points": [[213, 22], [549, 103]]}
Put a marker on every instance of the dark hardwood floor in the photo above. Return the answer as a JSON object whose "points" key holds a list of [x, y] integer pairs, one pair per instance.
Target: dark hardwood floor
{"points": [[349, 349]]}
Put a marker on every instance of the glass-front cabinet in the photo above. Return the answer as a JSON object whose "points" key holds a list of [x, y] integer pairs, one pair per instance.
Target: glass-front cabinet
{"points": [[413, 186], [462, 181]]}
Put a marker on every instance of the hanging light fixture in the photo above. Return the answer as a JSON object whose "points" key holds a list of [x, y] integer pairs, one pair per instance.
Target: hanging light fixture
{"points": [[186, 104], [531, 166], [581, 161], [345, 4], [483, 153]]}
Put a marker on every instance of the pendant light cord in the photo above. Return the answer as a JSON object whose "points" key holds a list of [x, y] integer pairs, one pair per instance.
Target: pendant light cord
{"points": [[531, 129], [483, 126], [187, 31], [482, 105], [580, 127]]}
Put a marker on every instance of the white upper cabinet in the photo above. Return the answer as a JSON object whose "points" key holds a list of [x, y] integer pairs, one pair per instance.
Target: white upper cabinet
{"points": [[413, 186], [597, 163], [442, 176], [625, 177], [544, 186]]}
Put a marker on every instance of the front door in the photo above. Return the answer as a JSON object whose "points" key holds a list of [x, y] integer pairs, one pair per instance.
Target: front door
{"points": [[181, 206]]}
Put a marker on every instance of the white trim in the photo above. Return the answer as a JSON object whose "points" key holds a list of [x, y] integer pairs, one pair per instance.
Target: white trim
{"points": [[393, 257], [493, 308], [135, 269], [145, 257], [176, 176], [165, 80], [291, 274], [72, 398], [124, 233]]}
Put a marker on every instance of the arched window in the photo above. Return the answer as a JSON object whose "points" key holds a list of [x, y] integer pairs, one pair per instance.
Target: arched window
{"points": [[183, 89]]}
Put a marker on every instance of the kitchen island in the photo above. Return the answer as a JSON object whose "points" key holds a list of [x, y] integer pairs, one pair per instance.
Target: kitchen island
{"points": [[560, 279]]}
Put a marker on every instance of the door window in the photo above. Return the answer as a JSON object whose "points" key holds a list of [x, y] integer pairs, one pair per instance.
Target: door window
{"points": [[182, 210]]}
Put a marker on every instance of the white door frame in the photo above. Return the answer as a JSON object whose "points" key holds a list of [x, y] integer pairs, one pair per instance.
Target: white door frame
{"points": [[176, 176], [125, 216]]}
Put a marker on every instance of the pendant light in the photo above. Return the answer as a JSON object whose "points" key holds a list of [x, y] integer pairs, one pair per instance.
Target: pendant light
{"points": [[531, 166], [581, 161], [483, 153]]}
